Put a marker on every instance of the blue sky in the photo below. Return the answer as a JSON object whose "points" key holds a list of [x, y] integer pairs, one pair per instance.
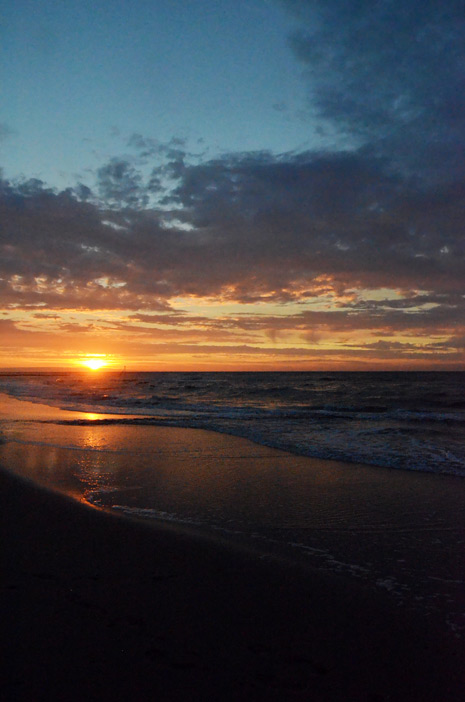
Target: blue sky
{"points": [[259, 184], [78, 78]]}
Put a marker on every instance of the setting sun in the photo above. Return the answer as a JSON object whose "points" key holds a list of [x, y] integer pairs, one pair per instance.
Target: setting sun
{"points": [[94, 363]]}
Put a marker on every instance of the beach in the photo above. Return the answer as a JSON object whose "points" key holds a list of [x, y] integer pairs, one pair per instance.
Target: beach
{"points": [[99, 606]]}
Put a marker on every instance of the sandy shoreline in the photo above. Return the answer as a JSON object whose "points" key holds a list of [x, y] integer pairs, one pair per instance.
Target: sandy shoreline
{"points": [[95, 606], [98, 607]]}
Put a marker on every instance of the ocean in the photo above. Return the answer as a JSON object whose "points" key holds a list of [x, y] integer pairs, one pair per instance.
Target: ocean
{"points": [[408, 420], [387, 510]]}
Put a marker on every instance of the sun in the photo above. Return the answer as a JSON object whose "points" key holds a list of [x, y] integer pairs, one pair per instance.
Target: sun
{"points": [[94, 363]]}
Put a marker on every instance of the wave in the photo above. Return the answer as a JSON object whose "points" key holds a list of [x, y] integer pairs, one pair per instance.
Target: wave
{"points": [[395, 421]]}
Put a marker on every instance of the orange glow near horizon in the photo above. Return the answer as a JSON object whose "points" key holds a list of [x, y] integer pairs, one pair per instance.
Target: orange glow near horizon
{"points": [[321, 333], [94, 363]]}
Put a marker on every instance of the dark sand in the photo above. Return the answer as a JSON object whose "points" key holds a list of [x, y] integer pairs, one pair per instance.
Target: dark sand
{"points": [[97, 607]]}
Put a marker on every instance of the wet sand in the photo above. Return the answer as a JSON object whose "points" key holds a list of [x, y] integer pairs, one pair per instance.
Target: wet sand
{"points": [[95, 606]]}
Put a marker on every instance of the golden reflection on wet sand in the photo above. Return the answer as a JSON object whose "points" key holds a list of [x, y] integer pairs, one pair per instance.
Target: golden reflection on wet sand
{"points": [[403, 530]]}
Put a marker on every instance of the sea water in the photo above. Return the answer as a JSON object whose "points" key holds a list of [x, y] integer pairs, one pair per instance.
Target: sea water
{"points": [[408, 420], [391, 514]]}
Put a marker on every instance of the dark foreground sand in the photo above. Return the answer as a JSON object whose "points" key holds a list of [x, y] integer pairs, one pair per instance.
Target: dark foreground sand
{"points": [[96, 607]]}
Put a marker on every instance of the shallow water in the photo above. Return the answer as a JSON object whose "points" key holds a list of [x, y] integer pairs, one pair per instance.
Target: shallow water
{"points": [[398, 531], [411, 421]]}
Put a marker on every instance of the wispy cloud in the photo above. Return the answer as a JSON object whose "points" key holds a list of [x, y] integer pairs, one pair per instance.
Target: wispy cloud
{"points": [[390, 75]]}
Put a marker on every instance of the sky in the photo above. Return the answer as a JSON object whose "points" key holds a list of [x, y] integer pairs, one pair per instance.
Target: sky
{"points": [[257, 185]]}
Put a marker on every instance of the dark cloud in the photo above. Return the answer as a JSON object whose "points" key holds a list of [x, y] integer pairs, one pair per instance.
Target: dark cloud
{"points": [[45, 315], [245, 227], [374, 318], [120, 185], [336, 215], [262, 227], [184, 332], [170, 159], [455, 342], [148, 146], [389, 75]]}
